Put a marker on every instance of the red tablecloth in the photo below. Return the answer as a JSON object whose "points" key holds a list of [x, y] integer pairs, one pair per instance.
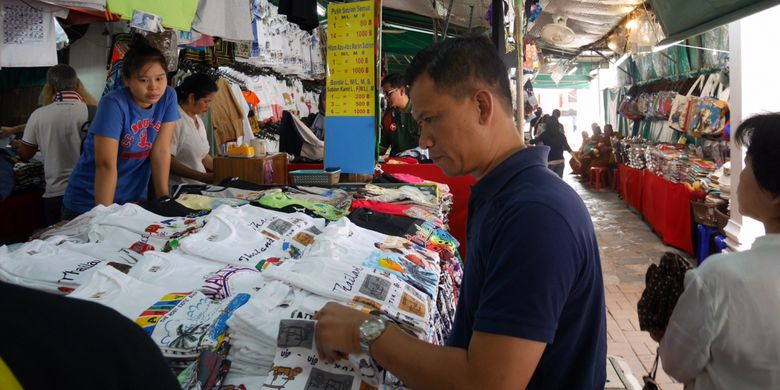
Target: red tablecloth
{"points": [[664, 205], [630, 186], [459, 186]]}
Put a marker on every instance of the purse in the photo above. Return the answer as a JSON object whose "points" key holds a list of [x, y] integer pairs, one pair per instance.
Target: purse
{"points": [[664, 283], [628, 107], [649, 379], [678, 113], [712, 110]]}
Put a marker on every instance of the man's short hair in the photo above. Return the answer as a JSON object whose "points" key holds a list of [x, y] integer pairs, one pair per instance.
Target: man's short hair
{"points": [[556, 113], [395, 80], [62, 78], [761, 136], [460, 66]]}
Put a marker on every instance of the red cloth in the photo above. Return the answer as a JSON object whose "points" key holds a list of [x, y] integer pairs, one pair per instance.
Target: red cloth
{"points": [[666, 207], [382, 207], [407, 178], [460, 187], [631, 186], [402, 160]]}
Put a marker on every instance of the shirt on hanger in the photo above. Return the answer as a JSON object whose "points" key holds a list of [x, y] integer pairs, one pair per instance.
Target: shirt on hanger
{"points": [[27, 33]]}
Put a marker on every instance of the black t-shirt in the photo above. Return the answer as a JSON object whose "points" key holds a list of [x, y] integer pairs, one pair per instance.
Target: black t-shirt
{"points": [[54, 342], [556, 140], [392, 225]]}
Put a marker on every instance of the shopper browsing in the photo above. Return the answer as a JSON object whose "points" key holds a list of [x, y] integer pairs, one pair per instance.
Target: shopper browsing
{"points": [[55, 130], [129, 139], [724, 332], [554, 137], [191, 162], [531, 312]]}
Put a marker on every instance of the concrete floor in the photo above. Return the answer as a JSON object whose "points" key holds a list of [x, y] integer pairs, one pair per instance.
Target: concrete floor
{"points": [[628, 246]]}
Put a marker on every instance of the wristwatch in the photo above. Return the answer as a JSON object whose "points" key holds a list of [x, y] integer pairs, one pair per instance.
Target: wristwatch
{"points": [[370, 330]]}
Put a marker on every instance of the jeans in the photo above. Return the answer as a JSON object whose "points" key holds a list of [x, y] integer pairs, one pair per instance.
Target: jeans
{"points": [[52, 210], [68, 214], [557, 168]]}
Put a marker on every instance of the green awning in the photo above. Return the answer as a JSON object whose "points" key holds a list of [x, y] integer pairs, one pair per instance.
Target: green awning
{"points": [[682, 19], [544, 81]]}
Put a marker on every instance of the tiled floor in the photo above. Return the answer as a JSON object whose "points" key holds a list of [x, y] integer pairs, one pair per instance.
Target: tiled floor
{"points": [[628, 247]]}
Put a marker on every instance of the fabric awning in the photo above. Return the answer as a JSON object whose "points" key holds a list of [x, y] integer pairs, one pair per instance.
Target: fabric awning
{"points": [[684, 19]]}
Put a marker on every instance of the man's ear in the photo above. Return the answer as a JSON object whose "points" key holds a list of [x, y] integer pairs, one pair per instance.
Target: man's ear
{"points": [[485, 104]]}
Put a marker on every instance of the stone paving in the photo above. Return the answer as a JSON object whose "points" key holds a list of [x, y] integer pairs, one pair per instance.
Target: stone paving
{"points": [[628, 246]]}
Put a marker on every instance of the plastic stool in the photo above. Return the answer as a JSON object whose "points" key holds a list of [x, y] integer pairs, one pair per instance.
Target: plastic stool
{"points": [[599, 175], [705, 235], [720, 243]]}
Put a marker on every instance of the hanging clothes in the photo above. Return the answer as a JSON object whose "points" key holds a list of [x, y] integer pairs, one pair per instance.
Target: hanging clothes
{"points": [[226, 114]]}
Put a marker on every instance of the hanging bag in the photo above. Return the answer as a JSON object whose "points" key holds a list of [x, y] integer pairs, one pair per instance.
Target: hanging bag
{"points": [[678, 113], [692, 119], [712, 110]]}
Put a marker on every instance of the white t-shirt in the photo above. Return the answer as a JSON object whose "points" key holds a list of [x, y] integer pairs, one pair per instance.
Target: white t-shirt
{"points": [[352, 283], [180, 272], [189, 145], [724, 332], [131, 226], [44, 266], [247, 234], [27, 34], [127, 295], [56, 130]]}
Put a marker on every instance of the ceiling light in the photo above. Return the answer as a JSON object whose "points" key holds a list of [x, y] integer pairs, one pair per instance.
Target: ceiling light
{"points": [[622, 59], [656, 49], [632, 24], [321, 10]]}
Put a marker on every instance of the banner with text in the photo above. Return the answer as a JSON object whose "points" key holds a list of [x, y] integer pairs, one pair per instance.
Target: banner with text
{"points": [[350, 120]]}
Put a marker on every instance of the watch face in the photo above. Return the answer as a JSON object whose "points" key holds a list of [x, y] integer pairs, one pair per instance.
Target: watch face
{"points": [[371, 329]]}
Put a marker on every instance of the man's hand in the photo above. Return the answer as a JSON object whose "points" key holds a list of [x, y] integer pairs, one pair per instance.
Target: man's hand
{"points": [[338, 331]]}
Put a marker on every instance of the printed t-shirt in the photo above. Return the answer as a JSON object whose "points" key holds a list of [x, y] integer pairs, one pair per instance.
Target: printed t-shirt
{"points": [[280, 200], [203, 202], [135, 128], [533, 272], [181, 272], [189, 146], [248, 235], [44, 266], [56, 130]]}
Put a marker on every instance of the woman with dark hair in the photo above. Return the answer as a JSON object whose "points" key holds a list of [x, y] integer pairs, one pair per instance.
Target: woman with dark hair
{"points": [[724, 332], [554, 137], [190, 159], [129, 139]]}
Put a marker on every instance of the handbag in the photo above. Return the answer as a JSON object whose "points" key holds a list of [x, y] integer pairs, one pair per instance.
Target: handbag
{"points": [[649, 379], [663, 287], [712, 110], [678, 113], [628, 107]]}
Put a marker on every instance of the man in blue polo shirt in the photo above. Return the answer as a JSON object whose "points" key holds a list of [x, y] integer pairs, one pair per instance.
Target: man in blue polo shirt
{"points": [[531, 313]]}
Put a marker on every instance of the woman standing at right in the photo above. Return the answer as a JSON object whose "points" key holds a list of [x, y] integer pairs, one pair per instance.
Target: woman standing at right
{"points": [[724, 332]]}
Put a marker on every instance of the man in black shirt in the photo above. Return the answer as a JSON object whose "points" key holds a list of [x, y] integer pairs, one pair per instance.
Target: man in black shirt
{"points": [[54, 342]]}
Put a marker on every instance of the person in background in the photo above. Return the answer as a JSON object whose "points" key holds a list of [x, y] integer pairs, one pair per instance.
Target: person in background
{"points": [[535, 120], [190, 159], [541, 125], [724, 332], [318, 125], [531, 313], [56, 130], [130, 138], [554, 137], [60, 335], [402, 133]]}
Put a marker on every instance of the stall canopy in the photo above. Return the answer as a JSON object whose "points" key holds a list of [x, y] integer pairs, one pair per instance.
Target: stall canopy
{"points": [[683, 19]]}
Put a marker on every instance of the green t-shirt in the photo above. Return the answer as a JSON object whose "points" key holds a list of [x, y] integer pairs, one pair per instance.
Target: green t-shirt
{"points": [[406, 135]]}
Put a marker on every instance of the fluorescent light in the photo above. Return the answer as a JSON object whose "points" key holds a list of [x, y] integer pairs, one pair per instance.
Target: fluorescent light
{"points": [[656, 49], [632, 24], [571, 71], [622, 59], [321, 10]]}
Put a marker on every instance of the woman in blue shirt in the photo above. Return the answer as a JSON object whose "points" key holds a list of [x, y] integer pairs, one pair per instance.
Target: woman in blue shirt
{"points": [[129, 139]]}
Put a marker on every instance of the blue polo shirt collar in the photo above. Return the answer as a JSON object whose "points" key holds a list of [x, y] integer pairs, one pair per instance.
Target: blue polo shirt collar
{"points": [[491, 184]]}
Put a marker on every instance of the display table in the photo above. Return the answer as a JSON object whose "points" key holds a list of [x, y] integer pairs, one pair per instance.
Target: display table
{"points": [[252, 169], [460, 187], [663, 204]]}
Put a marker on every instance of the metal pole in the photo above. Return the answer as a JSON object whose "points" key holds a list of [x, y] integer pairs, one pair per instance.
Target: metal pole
{"points": [[447, 22]]}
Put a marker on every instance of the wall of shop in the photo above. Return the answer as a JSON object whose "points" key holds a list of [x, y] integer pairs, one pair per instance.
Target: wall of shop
{"points": [[754, 85], [89, 56]]}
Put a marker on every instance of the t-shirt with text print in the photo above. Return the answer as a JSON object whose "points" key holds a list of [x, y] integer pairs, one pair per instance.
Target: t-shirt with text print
{"points": [[135, 128]]}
